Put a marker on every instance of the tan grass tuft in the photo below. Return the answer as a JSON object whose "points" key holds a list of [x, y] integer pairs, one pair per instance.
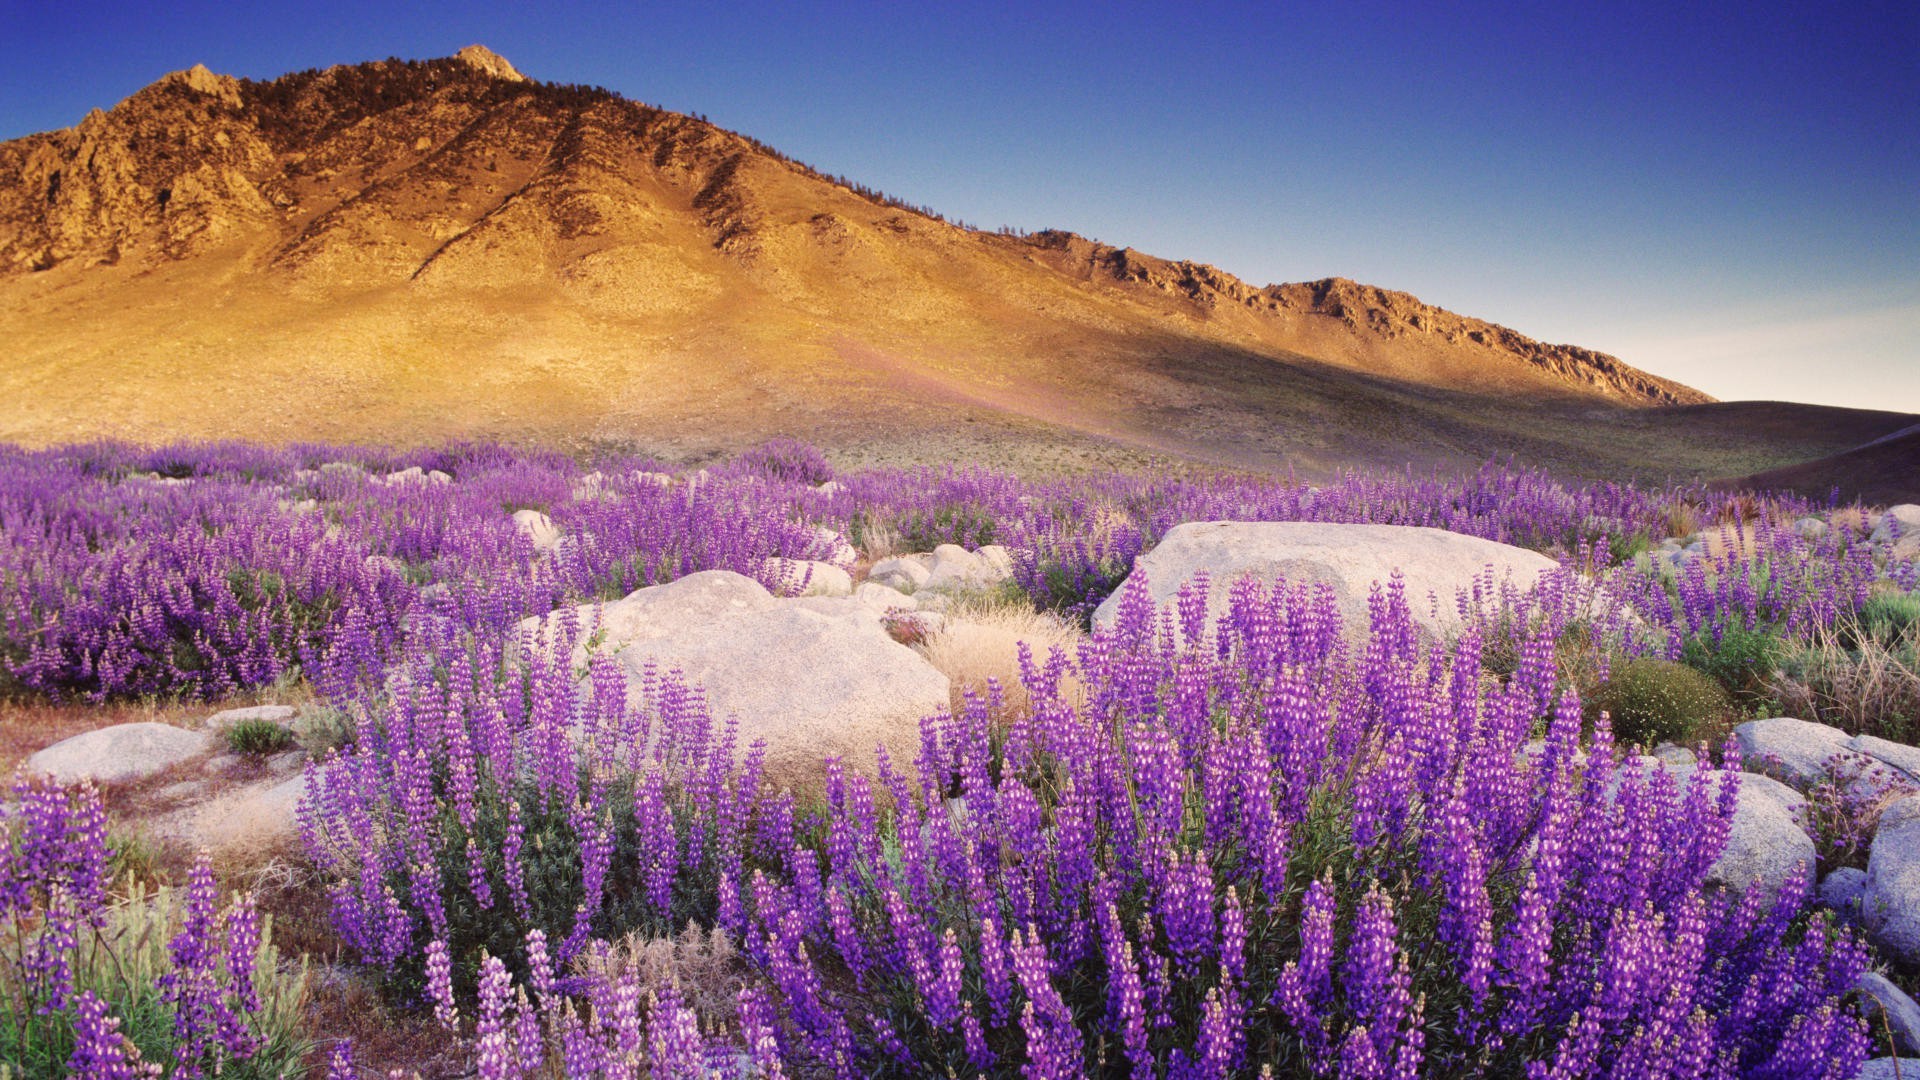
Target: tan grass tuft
{"points": [[981, 641]]}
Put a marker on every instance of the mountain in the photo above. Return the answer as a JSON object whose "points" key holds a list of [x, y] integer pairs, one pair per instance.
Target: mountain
{"points": [[408, 251]]}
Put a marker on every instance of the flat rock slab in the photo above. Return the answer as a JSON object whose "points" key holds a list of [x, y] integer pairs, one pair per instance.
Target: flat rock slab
{"points": [[119, 754], [1795, 751], [813, 677], [276, 714], [1886, 1068], [1890, 904], [1348, 558], [260, 815]]}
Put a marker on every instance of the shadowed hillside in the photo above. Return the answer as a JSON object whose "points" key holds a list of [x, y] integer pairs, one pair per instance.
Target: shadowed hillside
{"points": [[410, 251]]}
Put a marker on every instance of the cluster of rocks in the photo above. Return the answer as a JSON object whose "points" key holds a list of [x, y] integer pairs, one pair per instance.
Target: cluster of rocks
{"points": [[1896, 533], [216, 797], [1770, 840]]}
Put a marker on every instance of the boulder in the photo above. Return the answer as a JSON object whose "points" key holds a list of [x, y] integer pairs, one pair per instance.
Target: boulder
{"points": [[881, 598], [1766, 842], [1765, 846], [1349, 559], [1890, 1012], [1898, 755], [256, 816], [1903, 519], [1841, 892], [822, 579], [830, 488], [1886, 1068], [906, 573], [1890, 904], [840, 550], [813, 677], [1795, 751], [119, 754], [1810, 528], [537, 527], [955, 569], [276, 714]]}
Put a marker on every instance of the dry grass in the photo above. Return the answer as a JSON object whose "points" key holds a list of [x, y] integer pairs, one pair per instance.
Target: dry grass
{"points": [[981, 641], [1871, 689], [701, 967]]}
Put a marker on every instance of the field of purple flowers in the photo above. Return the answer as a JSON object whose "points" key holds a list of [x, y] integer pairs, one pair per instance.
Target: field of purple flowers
{"points": [[1256, 846]]}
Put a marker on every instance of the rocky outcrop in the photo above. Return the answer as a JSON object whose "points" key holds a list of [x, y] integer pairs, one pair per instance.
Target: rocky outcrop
{"points": [[122, 753], [1349, 559], [813, 677]]}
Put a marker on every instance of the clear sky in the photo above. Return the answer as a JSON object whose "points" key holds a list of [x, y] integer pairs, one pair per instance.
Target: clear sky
{"points": [[1729, 197]]}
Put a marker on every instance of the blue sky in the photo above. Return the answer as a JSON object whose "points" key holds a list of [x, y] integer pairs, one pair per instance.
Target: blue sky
{"points": [[1728, 197]]}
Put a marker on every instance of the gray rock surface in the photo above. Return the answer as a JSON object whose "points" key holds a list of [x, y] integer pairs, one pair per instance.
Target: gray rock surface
{"points": [[1906, 1068], [881, 598], [1899, 755], [1890, 905], [1890, 1013], [276, 714], [1842, 890], [906, 573], [1904, 518], [1795, 751], [821, 579], [813, 677], [1348, 558], [1810, 528], [119, 754], [955, 569]]}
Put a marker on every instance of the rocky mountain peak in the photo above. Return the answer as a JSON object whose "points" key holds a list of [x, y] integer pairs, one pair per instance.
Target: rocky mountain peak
{"points": [[201, 80], [483, 59]]}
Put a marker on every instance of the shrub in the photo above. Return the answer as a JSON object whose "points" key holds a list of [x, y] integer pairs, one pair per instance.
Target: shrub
{"points": [[95, 985], [1844, 807], [1743, 661], [789, 461], [1652, 701], [1890, 620], [258, 737]]}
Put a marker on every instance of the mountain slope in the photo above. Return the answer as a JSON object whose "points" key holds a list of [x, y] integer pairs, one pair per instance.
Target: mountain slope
{"points": [[407, 251]]}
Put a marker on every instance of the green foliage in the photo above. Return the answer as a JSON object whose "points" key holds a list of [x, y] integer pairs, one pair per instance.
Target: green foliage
{"points": [[1890, 620], [322, 729], [258, 737], [955, 523], [1654, 701], [122, 965], [1742, 661]]}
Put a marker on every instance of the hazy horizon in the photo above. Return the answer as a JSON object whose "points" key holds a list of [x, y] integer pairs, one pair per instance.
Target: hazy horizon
{"points": [[1725, 200]]}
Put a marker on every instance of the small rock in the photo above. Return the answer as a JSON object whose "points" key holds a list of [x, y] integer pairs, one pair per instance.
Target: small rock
{"points": [[657, 479], [1673, 754], [1890, 904], [278, 714], [1904, 518], [412, 475], [955, 569], [1889, 1010], [830, 488], [1842, 890], [840, 551], [906, 573], [537, 527], [118, 754], [881, 598], [1795, 751], [822, 579], [438, 477]]}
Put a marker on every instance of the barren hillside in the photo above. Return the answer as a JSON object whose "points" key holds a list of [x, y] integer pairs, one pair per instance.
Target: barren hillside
{"points": [[405, 251]]}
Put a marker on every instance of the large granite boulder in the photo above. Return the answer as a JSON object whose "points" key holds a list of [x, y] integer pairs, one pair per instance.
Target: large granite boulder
{"points": [[538, 528], [119, 754], [813, 677], [1348, 558], [1897, 755], [1795, 751], [1890, 904], [1903, 520], [1886, 1068]]}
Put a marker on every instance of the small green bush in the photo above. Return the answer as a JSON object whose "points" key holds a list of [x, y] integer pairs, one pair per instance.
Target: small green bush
{"points": [[260, 737], [1889, 620], [1742, 661], [1654, 701]]}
